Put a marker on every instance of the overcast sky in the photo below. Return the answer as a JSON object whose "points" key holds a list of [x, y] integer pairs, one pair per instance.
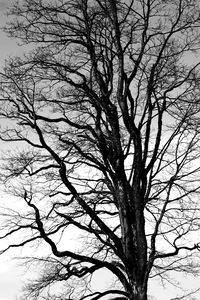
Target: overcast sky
{"points": [[6, 45], [10, 279]]}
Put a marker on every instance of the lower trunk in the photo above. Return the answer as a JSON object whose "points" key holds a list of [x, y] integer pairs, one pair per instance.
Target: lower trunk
{"points": [[139, 296], [138, 293]]}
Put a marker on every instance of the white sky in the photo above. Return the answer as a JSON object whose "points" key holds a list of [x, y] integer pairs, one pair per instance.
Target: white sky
{"points": [[10, 276], [6, 45]]}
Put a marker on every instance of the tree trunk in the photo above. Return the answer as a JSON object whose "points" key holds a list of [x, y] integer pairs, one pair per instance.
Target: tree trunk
{"points": [[138, 292], [139, 296]]}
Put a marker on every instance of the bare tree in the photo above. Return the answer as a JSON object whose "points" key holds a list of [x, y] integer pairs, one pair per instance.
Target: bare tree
{"points": [[104, 113]]}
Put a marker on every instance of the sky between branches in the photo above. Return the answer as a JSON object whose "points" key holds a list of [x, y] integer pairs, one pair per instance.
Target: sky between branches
{"points": [[9, 277]]}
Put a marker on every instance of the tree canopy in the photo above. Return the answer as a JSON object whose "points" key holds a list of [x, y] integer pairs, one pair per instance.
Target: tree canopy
{"points": [[104, 113]]}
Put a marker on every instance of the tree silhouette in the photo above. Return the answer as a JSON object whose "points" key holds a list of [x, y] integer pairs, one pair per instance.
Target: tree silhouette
{"points": [[104, 111]]}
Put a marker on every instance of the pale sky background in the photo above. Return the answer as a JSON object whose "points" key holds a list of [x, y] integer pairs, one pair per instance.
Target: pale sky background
{"points": [[11, 279], [7, 46], [10, 276]]}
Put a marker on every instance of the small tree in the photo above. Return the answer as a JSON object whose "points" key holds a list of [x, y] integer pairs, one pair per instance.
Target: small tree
{"points": [[104, 111]]}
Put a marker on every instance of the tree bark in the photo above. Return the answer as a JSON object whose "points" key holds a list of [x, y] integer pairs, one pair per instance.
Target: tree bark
{"points": [[139, 293]]}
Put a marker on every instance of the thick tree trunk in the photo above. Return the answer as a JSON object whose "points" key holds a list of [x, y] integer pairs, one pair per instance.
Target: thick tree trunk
{"points": [[138, 291], [139, 295]]}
